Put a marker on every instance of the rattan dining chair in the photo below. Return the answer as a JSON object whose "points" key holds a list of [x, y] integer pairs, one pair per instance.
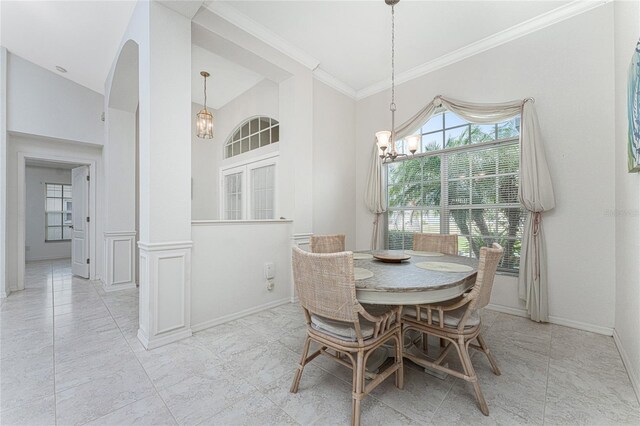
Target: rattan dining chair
{"points": [[325, 285], [459, 323], [439, 243], [327, 243]]}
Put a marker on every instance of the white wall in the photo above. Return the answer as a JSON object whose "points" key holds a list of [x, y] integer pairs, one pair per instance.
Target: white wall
{"points": [[36, 247], [568, 69], [228, 269], [205, 155], [627, 205], [334, 192], [41, 103]]}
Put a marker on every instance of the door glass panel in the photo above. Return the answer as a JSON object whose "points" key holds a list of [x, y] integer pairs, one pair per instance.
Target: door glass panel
{"points": [[262, 192], [233, 196]]}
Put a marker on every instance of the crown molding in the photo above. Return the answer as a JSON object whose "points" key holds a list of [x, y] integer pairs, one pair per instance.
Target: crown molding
{"points": [[519, 30], [334, 83], [242, 21]]}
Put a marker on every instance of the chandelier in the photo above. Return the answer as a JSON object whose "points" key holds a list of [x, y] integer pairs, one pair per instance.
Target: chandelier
{"points": [[204, 119], [386, 140]]}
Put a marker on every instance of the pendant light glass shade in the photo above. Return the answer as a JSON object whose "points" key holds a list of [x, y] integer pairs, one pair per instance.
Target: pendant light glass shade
{"points": [[204, 124], [383, 138], [204, 119]]}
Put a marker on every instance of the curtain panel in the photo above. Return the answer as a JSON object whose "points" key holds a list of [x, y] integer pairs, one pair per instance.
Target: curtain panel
{"points": [[535, 190]]}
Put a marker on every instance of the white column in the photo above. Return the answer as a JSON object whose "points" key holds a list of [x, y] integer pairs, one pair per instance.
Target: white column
{"points": [[165, 178], [296, 149]]}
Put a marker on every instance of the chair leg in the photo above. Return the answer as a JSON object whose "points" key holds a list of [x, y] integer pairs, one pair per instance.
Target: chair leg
{"points": [[400, 370], [359, 388], [425, 343], [492, 359], [303, 362], [463, 350]]}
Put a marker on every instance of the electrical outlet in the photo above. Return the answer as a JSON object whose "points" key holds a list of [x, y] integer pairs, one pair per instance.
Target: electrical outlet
{"points": [[270, 285], [269, 270]]}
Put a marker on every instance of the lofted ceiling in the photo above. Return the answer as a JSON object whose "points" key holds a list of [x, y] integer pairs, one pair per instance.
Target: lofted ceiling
{"points": [[352, 39], [348, 41], [227, 81], [80, 36]]}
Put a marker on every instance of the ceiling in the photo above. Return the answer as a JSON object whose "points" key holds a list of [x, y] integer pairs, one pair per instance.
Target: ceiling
{"points": [[227, 81], [80, 36], [34, 162], [351, 39]]}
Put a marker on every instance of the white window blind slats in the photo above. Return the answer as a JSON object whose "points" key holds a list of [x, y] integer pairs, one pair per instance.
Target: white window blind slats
{"points": [[467, 189], [57, 211]]}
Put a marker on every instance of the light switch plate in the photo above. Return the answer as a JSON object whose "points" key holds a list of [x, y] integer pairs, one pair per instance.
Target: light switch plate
{"points": [[269, 270]]}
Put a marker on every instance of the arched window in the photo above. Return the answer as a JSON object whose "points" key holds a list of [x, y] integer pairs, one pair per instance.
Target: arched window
{"points": [[462, 180], [252, 134]]}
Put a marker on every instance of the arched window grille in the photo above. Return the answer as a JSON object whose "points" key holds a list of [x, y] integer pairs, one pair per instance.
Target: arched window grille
{"points": [[251, 134]]}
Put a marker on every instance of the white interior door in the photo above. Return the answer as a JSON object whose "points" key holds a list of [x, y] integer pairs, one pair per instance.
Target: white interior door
{"points": [[80, 219]]}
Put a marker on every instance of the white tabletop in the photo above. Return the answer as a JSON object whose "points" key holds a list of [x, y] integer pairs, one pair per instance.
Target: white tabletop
{"points": [[406, 284]]}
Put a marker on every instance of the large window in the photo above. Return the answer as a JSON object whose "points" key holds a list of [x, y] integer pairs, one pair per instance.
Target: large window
{"points": [[462, 180], [252, 134], [57, 212]]}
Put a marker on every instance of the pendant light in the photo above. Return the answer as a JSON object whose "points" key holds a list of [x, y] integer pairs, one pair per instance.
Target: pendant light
{"points": [[204, 119], [386, 140]]}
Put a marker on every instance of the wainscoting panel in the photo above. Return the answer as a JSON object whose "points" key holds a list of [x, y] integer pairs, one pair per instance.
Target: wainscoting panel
{"points": [[165, 292], [119, 260]]}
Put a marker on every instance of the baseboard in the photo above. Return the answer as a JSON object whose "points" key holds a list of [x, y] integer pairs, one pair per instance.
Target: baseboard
{"points": [[631, 372], [607, 331], [507, 310], [163, 340], [40, 259], [238, 315], [117, 287], [294, 299]]}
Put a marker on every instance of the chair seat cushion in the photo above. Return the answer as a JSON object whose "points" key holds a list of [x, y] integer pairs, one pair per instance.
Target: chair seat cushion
{"points": [[342, 330], [451, 318]]}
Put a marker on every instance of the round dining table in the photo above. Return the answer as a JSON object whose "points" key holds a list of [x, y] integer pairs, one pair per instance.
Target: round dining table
{"points": [[404, 283]]}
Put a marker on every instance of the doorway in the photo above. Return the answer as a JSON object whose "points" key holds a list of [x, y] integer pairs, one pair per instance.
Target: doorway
{"points": [[56, 201]]}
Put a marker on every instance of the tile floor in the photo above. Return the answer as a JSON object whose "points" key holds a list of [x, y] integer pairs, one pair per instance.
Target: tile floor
{"points": [[69, 355]]}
